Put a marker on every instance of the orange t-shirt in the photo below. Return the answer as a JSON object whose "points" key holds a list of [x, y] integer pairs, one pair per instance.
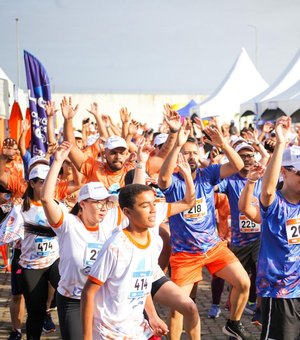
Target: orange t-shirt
{"points": [[222, 205], [95, 171]]}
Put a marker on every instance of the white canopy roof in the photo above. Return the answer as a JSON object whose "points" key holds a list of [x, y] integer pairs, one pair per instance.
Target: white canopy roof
{"points": [[9, 97], [242, 82], [285, 81], [287, 101]]}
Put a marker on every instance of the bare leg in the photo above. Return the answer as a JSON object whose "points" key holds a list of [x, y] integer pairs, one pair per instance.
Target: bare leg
{"points": [[183, 310], [164, 257], [235, 274], [17, 311], [51, 292]]}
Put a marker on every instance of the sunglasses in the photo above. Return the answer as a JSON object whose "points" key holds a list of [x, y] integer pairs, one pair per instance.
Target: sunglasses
{"points": [[293, 170]]}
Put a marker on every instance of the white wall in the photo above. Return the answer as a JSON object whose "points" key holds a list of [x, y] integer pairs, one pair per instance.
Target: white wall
{"points": [[145, 108]]}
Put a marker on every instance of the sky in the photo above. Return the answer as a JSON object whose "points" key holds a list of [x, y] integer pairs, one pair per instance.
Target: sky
{"points": [[147, 46]]}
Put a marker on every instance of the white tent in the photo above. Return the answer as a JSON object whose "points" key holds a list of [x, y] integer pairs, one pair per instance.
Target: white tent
{"points": [[241, 83], [285, 81], [287, 101], [9, 96]]}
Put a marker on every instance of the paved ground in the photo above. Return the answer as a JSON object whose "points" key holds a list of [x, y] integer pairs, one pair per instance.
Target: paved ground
{"points": [[211, 329]]}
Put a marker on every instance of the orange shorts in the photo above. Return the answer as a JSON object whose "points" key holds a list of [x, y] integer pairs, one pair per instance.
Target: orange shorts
{"points": [[186, 268]]}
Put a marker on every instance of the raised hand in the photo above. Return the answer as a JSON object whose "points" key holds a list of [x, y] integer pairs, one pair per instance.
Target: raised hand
{"points": [[268, 127], [182, 136], [67, 109], [282, 128], [143, 151], [256, 172], [63, 151], [50, 108], [183, 166], [214, 137], [25, 125], [94, 109], [172, 118], [133, 127], [125, 116]]}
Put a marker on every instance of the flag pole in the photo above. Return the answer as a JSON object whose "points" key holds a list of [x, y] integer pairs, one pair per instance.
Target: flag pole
{"points": [[18, 52]]}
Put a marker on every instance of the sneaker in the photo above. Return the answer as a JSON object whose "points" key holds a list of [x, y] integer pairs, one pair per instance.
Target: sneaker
{"points": [[214, 312], [250, 308], [48, 325], [237, 330], [256, 320], [15, 335]]}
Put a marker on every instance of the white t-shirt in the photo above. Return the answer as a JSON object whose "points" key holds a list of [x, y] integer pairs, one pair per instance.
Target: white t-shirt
{"points": [[79, 247], [37, 252], [125, 271]]}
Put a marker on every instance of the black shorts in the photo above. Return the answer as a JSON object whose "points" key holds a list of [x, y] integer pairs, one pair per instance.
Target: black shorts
{"points": [[16, 288], [247, 255], [157, 284], [280, 319]]}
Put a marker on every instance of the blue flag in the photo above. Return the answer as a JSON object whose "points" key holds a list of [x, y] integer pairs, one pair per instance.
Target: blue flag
{"points": [[39, 93]]}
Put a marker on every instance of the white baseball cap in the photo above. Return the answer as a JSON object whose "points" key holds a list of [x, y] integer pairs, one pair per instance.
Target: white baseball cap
{"points": [[291, 157], [243, 146], [38, 159], [77, 134], [160, 139], [39, 171], [114, 142], [96, 191]]}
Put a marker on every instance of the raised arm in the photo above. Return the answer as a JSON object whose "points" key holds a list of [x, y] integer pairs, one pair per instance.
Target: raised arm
{"points": [[143, 153], [173, 120], [270, 180], [52, 210], [87, 308], [22, 139], [165, 174], [245, 200], [51, 110], [68, 112], [258, 146], [235, 162], [125, 117], [189, 199], [100, 123]]}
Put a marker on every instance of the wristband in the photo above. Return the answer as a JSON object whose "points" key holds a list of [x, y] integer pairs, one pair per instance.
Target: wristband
{"points": [[140, 165], [107, 126], [252, 180], [173, 130]]}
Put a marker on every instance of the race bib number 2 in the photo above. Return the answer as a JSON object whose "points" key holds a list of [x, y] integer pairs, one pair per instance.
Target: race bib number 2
{"points": [[293, 230], [198, 211], [91, 253]]}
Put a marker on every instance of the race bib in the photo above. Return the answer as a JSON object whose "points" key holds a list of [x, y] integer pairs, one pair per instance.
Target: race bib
{"points": [[44, 246], [293, 230], [198, 211], [248, 226], [141, 282], [91, 253]]}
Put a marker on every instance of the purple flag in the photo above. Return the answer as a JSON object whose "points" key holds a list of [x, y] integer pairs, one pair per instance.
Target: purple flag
{"points": [[39, 92]]}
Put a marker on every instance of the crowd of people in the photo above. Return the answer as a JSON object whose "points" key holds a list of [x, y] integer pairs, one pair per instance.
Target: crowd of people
{"points": [[116, 217]]}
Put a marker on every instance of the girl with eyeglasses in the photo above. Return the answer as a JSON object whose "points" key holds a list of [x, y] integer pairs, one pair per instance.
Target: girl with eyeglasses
{"points": [[81, 234]]}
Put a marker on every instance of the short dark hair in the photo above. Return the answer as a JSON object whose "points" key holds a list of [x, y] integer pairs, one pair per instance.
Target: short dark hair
{"points": [[128, 194]]}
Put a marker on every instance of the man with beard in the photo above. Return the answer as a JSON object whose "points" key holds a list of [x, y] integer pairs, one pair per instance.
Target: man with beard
{"points": [[110, 172], [245, 233], [194, 239]]}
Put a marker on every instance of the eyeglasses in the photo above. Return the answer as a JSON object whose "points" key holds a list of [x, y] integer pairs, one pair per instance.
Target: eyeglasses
{"points": [[293, 170], [247, 156], [102, 204]]}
